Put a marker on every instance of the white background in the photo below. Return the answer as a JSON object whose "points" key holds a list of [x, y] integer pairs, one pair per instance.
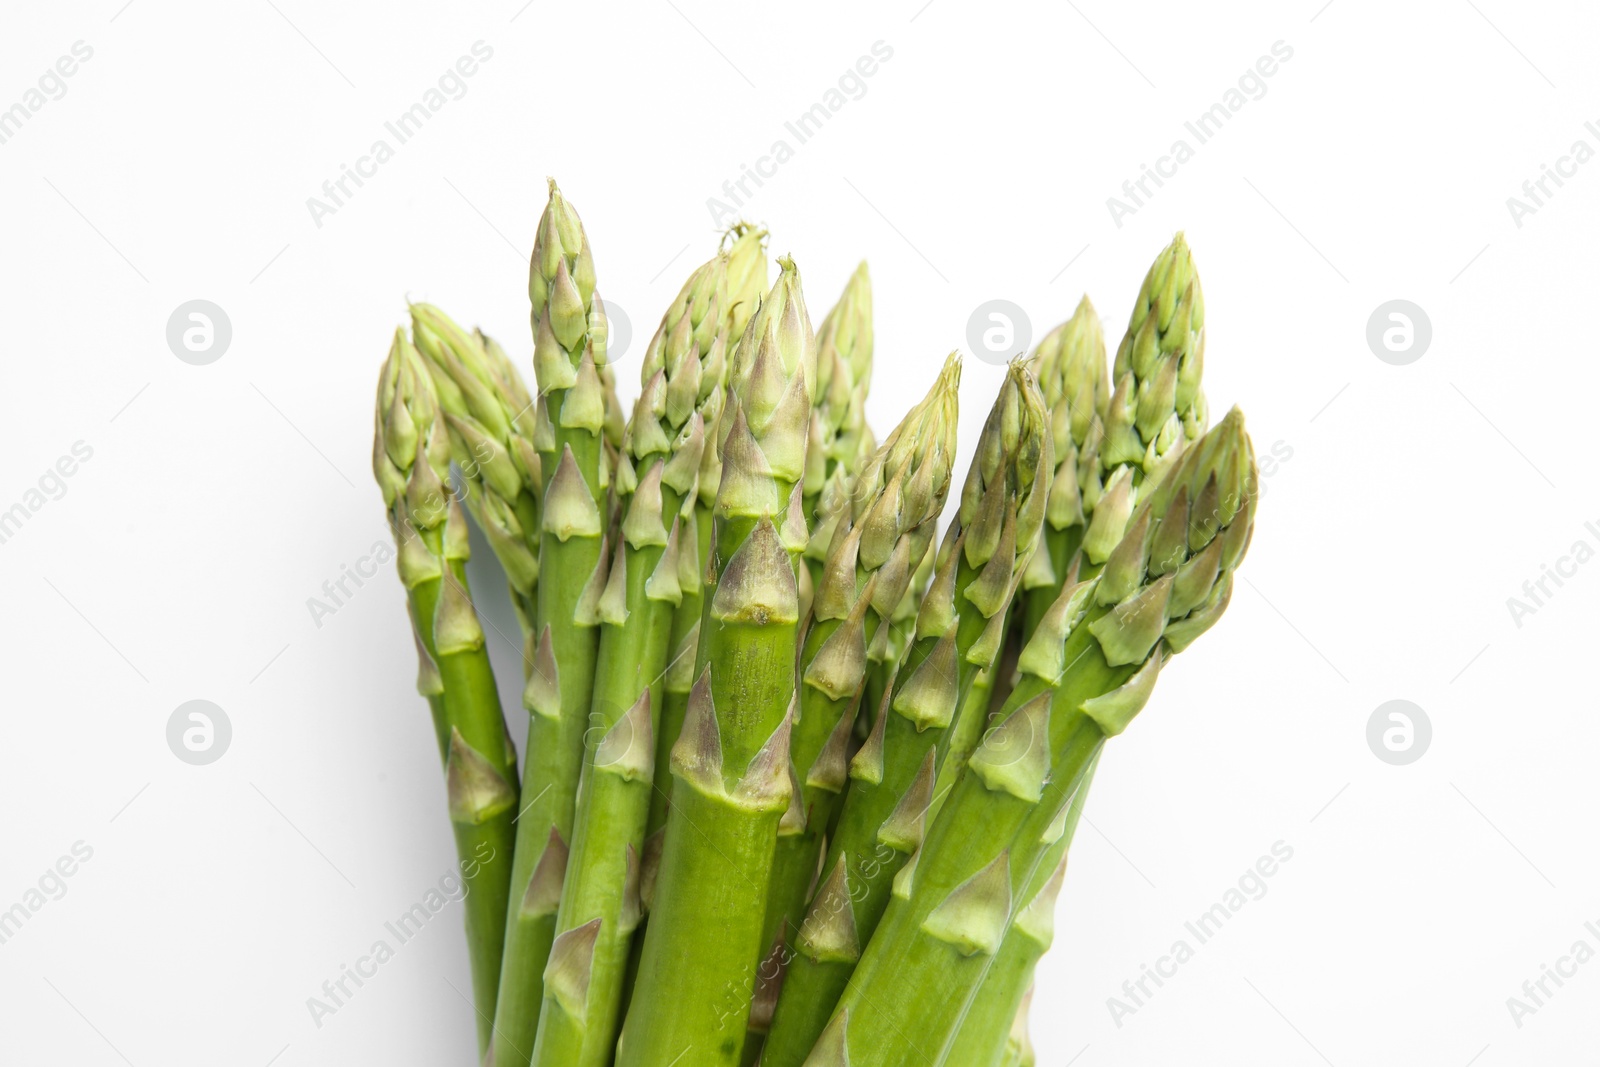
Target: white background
{"points": [[977, 165]]}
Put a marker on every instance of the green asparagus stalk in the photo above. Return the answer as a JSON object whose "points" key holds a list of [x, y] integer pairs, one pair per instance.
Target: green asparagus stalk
{"points": [[839, 437], [877, 541], [997, 1021], [732, 764], [1157, 410], [403, 426], [411, 459], [491, 422], [959, 630], [746, 283], [1088, 670], [656, 477], [569, 350], [1157, 407], [1071, 366], [746, 277]]}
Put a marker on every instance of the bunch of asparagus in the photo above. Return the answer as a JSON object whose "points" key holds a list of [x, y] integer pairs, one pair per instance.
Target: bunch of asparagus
{"points": [[799, 784]]}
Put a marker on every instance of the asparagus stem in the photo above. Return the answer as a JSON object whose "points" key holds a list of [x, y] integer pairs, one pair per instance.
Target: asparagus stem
{"points": [[483, 799], [959, 631], [838, 437], [491, 422], [1157, 408], [1098, 653], [746, 282], [731, 763], [996, 1022], [429, 685], [657, 474], [746, 279], [1071, 367], [679, 678], [411, 463], [877, 540], [569, 348], [1116, 445]]}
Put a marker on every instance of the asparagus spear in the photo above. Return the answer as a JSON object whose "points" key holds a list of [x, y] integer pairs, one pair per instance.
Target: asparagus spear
{"points": [[839, 437], [732, 760], [1088, 671], [746, 272], [1071, 365], [997, 1021], [877, 541], [1159, 409], [1156, 410], [411, 459], [746, 276], [407, 407], [491, 422], [656, 477], [1156, 406], [958, 632], [569, 349]]}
